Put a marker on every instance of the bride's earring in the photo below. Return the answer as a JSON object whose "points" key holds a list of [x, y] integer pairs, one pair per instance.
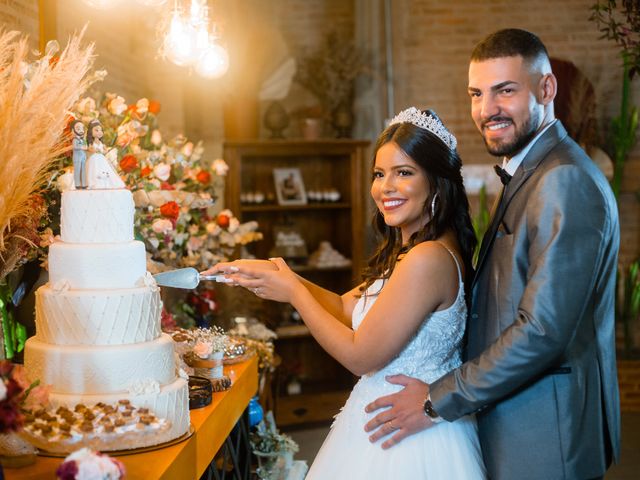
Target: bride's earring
{"points": [[433, 205]]}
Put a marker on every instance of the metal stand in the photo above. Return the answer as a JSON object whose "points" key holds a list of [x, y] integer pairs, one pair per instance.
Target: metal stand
{"points": [[233, 461]]}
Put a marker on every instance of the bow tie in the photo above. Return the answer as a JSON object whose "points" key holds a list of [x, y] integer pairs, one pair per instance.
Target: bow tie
{"points": [[505, 177]]}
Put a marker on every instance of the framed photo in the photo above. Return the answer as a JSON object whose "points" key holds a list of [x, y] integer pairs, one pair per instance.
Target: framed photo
{"points": [[289, 186]]}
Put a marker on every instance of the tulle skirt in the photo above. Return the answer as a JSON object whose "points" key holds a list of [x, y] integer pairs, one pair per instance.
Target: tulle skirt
{"points": [[446, 451]]}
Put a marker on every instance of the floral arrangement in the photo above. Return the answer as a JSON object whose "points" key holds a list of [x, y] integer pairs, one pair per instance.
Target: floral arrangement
{"points": [[85, 464], [267, 439], [173, 186], [206, 341]]}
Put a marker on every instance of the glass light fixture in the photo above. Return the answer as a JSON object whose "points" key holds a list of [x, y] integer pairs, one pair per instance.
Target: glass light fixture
{"points": [[179, 44], [214, 61]]}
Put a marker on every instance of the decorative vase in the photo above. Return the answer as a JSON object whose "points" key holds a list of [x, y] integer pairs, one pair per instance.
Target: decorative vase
{"points": [[342, 120], [256, 413], [276, 119], [311, 128]]}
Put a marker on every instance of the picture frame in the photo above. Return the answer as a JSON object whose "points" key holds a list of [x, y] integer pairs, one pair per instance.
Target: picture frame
{"points": [[289, 186]]}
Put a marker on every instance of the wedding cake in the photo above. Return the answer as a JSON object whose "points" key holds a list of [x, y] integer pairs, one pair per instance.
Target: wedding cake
{"points": [[98, 340]]}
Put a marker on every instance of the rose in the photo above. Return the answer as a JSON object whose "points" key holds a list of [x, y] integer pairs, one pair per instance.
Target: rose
{"points": [[203, 349], [223, 220], [145, 171], [142, 106], [170, 210], [154, 106], [220, 167], [162, 225], [203, 177], [162, 171], [117, 105], [128, 163]]}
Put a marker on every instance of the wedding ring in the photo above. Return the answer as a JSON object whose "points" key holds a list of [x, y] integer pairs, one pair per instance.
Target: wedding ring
{"points": [[390, 422], [256, 291]]}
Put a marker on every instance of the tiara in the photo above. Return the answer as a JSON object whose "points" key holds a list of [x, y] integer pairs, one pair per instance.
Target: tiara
{"points": [[428, 122]]}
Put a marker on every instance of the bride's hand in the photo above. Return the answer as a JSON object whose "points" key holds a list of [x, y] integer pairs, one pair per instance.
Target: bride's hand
{"points": [[405, 415], [278, 282], [230, 268]]}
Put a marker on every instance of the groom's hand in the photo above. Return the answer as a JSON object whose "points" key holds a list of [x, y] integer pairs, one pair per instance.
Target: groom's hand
{"points": [[405, 415]]}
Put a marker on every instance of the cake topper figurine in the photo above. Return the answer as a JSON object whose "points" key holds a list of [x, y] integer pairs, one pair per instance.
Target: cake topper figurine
{"points": [[79, 146], [101, 174]]}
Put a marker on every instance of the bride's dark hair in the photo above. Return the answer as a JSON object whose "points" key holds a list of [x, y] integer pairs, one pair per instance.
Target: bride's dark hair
{"points": [[442, 167]]}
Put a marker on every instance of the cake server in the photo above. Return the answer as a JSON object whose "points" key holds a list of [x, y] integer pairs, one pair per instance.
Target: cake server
{"points": [[187, 278]]}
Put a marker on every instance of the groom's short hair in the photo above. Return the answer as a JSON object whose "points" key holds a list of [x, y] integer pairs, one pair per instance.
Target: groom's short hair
{"points": [[510, 42]]}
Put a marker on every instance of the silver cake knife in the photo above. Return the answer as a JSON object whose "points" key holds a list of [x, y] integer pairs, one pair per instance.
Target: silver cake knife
{"points": [[187, 278]]}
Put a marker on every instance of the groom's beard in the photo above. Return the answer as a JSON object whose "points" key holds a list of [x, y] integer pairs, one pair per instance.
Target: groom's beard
{"points": [[522, 136]]}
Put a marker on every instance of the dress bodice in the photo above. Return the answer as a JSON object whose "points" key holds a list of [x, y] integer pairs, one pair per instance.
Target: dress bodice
{"points": [[435, 349]]}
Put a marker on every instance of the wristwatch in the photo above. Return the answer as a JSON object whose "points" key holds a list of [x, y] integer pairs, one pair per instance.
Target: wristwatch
{"points": [[430, 412]]}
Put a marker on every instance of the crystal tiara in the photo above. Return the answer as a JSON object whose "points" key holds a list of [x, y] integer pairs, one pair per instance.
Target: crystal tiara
{"points": [[428, 122]]}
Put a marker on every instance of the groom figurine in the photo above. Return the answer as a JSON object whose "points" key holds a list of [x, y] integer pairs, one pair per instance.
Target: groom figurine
{"points": [[540, 372], [79, 153]]}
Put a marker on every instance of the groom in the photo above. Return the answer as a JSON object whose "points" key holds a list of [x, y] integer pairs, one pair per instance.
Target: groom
{"points": [[541, 371]]}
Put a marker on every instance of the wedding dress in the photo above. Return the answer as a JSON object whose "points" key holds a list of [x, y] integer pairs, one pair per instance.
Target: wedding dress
{"points": [[446, 451], [100, 172]]}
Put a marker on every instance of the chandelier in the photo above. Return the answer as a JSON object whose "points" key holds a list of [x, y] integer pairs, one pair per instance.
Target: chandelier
{"points": [[189, 38]]}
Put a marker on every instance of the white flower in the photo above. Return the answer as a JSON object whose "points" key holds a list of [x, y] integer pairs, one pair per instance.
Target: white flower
{"points": [[156, 137], [234, 223], [220, 167], [162, 225], [65, 182], [154, 242], [86, 106], [117, 105], [162, 171], [187, 150], [142, 106], [213, 228], [3, 391]]}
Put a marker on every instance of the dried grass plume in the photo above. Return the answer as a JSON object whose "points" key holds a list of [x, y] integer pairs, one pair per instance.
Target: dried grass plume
{"points": [[34, 101]]}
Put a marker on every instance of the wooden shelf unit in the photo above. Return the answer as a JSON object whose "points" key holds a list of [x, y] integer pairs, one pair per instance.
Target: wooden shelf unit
{"points": [[323, 164]]}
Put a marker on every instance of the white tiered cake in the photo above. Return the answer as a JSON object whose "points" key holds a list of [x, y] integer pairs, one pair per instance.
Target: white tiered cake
{"points": [[98, 337]]}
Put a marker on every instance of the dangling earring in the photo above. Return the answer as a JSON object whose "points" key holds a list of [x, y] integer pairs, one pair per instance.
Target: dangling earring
{"points": [[433, 205]]}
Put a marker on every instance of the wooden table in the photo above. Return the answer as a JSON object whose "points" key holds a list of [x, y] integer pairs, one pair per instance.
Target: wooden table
{"points": [[187, 459]]}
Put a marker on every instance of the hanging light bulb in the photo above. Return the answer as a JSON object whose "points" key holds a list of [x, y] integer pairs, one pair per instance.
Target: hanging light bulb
{"points": [[214, 61], [180, 41], [102, 4]]}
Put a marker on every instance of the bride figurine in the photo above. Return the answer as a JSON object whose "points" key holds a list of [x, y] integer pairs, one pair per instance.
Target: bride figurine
{"points": [[101, 173]]}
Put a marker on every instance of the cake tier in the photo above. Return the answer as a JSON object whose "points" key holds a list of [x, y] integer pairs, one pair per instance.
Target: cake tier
{"points": [[96, 216], [97, 265], [100, 369], [170, 403], [97, 317]]}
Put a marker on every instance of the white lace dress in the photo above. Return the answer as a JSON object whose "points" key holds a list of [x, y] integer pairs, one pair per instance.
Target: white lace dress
{"points": [[447, 451]]}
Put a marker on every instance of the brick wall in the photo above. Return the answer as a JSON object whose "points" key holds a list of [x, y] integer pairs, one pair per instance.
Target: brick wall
{"points": [[432, 44]]}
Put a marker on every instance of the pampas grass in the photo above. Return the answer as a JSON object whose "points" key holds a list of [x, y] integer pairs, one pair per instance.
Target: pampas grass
{"points": [[32, 121]]}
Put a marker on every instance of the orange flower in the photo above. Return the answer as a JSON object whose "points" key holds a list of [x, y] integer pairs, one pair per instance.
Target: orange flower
{"points": [[223, 220], [154, 106], [145, 171], [128, 163], [170, 210], [203, 177]]}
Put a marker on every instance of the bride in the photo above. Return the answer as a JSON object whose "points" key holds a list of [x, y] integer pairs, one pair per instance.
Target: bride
{"points": [[408, 317], [100, 171]]}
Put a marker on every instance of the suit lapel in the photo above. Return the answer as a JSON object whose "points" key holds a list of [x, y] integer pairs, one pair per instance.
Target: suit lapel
{"points": [[554, 135]]}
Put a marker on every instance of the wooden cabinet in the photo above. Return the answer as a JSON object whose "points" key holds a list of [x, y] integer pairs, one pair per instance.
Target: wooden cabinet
{"points": [[337, 165]]}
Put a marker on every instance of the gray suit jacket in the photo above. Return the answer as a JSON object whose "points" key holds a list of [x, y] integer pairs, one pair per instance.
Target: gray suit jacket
{"points": [[540, 370]]}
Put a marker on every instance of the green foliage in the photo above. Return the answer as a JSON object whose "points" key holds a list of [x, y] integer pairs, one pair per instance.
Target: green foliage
{"points": [[481, 221], [628, 310]]}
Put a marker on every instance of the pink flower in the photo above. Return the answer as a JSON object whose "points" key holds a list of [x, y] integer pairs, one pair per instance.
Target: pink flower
{"points": [[220, 167], [162, 225], [117, 105], [203, 349]]}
